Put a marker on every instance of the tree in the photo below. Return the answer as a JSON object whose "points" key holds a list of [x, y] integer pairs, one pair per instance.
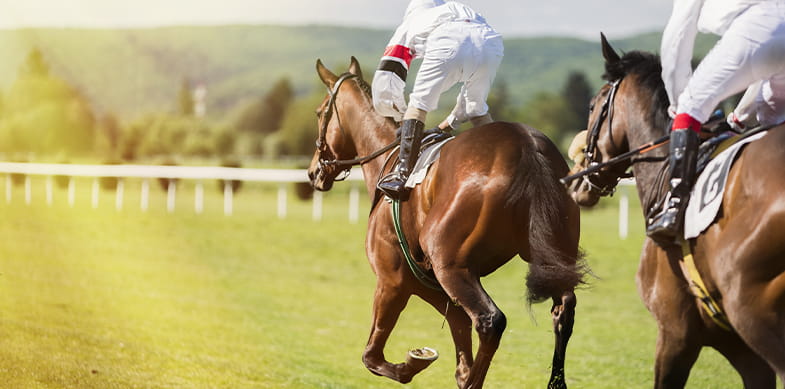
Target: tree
{"points": [[577, 94], [499, 102], [34, 65], [299, 128], [44, 114], [185, 99], [264, 115], [549, 113]]}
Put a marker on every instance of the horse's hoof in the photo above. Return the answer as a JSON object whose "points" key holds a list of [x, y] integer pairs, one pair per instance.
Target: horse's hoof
{"points": [[420, 358]]}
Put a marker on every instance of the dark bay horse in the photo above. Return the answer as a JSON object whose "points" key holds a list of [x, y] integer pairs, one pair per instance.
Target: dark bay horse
{"points": [[493, 194], [741, 257]]}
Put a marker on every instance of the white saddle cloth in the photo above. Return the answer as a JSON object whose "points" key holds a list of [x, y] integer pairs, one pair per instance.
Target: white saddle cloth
{"points": [[707, 193]]}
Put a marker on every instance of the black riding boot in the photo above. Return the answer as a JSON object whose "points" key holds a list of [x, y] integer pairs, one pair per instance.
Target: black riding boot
{"points": [[665, 226], [393, 184]]}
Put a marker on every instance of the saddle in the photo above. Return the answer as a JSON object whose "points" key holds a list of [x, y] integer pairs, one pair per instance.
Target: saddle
{"points": [[715, 158], [430, 150]]}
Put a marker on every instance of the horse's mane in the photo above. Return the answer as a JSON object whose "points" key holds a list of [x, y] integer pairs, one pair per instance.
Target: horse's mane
{"points": [[646, 67], [364, 86]]}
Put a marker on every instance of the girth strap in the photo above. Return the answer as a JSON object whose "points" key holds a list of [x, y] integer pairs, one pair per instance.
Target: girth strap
{"points": [[698, 288], [419, 273]]}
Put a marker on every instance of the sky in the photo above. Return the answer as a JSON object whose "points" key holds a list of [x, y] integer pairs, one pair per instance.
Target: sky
{"points": [[513, 18]]}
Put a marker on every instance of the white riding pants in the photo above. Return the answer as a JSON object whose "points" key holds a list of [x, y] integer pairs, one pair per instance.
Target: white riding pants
{"points": [[458, 51], [751, 51]]}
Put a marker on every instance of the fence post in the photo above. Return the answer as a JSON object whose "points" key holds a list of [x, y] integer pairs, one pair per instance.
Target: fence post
{"points": [[282, 201], [144, 201], [95, 193], [199, 198], [624, 212], [228, 198], [354, 204], [317, 206], [118, 200], [171, 195], [49, 191], [28, 190], [8, 186], [71, 191]]}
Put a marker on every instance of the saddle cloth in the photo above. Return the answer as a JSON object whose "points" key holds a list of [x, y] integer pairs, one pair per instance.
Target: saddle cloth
{"points": [[708, 191], [431, 149]]}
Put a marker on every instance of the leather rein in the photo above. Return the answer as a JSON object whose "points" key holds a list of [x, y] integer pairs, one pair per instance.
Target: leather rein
{"points": [[344, 165]]}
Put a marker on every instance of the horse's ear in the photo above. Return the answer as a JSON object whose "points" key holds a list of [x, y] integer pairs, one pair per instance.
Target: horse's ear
{"points": [[328, 77], [607, 51], [354, 68]]}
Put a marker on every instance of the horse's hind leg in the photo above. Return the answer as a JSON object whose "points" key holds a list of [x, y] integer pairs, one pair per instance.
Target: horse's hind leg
{"points": [[563, 312], [754, 371], [460, 328], [489, 321], [388, 302]]}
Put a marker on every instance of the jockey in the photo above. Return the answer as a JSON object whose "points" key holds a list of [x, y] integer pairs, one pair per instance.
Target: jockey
{"points": [[750, 54], [456, 45]]}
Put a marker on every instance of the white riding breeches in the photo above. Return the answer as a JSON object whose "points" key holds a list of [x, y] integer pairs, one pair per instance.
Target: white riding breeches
{"points": [[459, 51], [752, 50]]}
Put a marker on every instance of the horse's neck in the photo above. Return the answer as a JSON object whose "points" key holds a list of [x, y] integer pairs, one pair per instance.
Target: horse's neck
{"points": [[647, 172], [374, 134]]}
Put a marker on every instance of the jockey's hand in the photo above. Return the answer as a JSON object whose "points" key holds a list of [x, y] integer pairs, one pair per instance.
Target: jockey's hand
{"points": [[734, 123]]}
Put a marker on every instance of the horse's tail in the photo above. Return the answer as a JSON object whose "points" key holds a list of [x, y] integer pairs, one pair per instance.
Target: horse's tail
{"points": [[556, 263]]}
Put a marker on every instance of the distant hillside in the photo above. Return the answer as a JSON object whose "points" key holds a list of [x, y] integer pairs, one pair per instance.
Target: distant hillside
{"points": [[136, 71]]}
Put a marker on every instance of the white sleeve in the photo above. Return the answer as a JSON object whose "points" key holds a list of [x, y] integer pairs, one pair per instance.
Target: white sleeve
{"points": [[387, 93], [678, 41]]}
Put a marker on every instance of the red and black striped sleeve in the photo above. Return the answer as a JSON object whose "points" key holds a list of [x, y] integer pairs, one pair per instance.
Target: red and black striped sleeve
{"points": [[396, 59]]}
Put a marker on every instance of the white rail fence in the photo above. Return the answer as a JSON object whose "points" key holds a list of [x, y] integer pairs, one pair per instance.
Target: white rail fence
{"points": [[149, 172], [199, 173]]}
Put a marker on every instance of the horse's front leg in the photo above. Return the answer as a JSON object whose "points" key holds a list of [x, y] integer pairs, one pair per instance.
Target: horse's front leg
{"points": [[389, 300], [563, 312]]}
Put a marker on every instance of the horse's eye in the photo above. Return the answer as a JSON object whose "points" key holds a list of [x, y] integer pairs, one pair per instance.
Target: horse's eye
{"points": [[591, 107]]}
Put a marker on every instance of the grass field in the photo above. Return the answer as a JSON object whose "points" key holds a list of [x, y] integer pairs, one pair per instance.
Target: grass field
{"points": [[100, 298]]}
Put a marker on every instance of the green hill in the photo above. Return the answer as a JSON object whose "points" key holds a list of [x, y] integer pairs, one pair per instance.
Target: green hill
{"points": [[135, 71]]}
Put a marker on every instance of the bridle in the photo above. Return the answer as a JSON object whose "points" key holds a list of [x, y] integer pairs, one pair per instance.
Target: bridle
{"points": [[597, 184], [326, 156], [591, 176]]}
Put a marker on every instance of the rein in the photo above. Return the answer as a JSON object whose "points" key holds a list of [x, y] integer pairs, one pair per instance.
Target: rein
{"points": [[596, 166], [321, 143]]}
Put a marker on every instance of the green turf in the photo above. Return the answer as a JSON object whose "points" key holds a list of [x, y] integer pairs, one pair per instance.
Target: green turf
{"points": [[100, 298]]}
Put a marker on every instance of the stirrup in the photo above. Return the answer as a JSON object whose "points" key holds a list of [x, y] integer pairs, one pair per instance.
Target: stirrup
{"points": [[664, 228], [393, 185]]}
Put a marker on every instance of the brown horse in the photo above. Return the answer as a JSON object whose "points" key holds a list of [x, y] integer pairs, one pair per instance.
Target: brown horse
{"points": [[741, 257], [493, 194]]}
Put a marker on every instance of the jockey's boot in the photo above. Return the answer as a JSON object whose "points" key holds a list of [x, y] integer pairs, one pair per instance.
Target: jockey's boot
{"points": [[394, 183], [664, 227]]}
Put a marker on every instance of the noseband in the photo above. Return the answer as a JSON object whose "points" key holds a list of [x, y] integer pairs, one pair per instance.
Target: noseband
{"points": [[321, 142]]}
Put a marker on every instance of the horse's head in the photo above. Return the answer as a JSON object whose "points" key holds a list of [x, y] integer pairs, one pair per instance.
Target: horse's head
{"points": [[335, 114], [618, 114]]}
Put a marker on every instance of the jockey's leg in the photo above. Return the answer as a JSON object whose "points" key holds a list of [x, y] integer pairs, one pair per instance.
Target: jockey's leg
{"points": [[394, 184], [665, 226]]}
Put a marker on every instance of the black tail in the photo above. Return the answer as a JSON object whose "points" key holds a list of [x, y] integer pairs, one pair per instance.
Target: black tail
{"points": [[556, 263]]}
